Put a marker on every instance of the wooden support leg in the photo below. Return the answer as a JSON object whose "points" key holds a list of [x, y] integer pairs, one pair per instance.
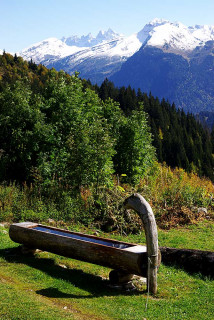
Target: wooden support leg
{"points": [[118, 277], [27, 250]]}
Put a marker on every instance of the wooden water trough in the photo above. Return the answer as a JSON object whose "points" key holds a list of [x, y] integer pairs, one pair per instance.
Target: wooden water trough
{"points": [[129, 259]]}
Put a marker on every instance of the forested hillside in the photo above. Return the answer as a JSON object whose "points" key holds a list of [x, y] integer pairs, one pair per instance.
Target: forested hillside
{"points": [[180, 140], [43, 123], [73, 151], [53, 128]]}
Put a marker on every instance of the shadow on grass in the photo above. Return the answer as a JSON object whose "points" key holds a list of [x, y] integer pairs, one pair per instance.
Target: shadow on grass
{"points": [[93, 284], [194, 262]]}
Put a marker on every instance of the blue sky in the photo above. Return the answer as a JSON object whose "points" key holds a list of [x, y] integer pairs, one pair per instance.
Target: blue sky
{"points": [[24, 22]]}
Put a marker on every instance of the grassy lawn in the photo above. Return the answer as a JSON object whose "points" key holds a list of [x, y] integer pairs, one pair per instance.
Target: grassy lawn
{"points": [[48, 286]]}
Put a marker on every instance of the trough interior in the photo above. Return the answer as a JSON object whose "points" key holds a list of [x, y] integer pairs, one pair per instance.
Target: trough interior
{"points": [[83, 238]]}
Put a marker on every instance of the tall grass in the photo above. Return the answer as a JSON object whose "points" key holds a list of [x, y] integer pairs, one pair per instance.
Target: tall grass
{"points": [[174, 195]]}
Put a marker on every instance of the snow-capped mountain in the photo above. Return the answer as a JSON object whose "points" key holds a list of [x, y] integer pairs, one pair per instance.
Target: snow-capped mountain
{"points": [[48, 49], [176, 65], [170, 59], [89, 40], [106, 43], [175, 36], [94, 57], [99, 61], [101, 56]]}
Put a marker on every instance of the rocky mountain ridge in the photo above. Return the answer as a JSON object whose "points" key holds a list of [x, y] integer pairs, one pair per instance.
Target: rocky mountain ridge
{"points": [[169, 59]]}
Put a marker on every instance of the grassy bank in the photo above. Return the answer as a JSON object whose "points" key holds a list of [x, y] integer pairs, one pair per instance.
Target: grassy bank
{"points": [[174, 195], [48, 286]]}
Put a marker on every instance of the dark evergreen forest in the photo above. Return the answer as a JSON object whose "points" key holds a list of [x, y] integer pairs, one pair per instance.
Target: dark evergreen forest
{"points": [[180, 140]]}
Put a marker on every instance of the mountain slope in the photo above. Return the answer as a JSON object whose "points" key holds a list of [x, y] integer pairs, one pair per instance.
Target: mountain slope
{"points": [[100, 61], [46, 50], [104, 54], [175, 62], [95, 58], [175, 37], [188, 82], [168, 59]]}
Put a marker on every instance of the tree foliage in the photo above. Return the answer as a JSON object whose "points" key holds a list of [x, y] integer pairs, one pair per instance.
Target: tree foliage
{"points": [[56, 130], [179, 139], [135, 153]]}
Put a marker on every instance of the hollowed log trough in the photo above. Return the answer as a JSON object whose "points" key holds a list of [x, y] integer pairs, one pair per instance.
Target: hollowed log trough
{"points": [[127, 258]]}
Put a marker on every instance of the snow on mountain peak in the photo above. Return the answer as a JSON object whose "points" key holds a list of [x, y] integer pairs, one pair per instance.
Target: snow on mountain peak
{"points": [[89, 40], [146, 33], [202, 33], [174, 36], [157, 22], [83, 41], [51, 48], [107, 35]]}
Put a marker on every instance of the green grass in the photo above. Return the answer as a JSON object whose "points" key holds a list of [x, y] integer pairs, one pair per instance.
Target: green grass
{"points": [[194, 236], [48, 286]]}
